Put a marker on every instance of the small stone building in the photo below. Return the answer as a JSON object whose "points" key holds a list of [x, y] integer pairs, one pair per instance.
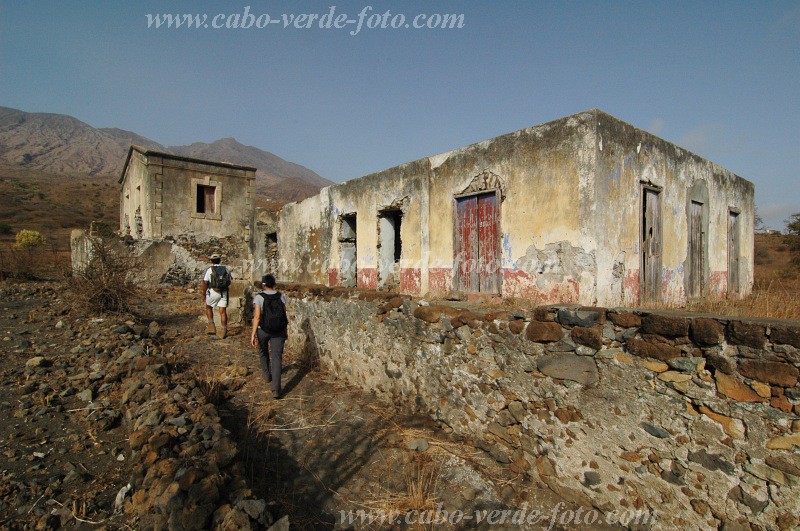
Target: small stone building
{"points": [[169, 195], [585, 209]]}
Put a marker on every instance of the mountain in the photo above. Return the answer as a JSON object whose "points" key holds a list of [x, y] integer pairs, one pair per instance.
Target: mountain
{"points": [[62, 145], [276, 178]]}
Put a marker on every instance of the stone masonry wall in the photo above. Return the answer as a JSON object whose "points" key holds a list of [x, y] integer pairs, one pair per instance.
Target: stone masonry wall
{"points": [[694, 418]]}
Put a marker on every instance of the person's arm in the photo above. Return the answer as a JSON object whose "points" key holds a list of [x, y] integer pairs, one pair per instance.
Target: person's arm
{"points": [[205, 286], [256, 319]]}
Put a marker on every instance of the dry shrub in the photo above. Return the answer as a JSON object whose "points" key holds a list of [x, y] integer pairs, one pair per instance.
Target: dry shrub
{"points": [[106, 283]]}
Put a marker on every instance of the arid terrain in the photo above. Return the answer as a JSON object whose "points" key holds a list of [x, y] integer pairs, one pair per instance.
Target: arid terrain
{"points": [[59, 173], [75, 429]]}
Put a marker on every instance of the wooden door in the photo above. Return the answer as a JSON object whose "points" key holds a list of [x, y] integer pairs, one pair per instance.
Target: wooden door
{"points": [[477, 233], [696, 249], [488, 258], [733, 252], [651, 245], [467, 242]]}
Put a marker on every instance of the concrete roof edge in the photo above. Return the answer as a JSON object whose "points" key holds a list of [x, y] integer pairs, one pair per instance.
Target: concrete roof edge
{"points": [[151, 152]]}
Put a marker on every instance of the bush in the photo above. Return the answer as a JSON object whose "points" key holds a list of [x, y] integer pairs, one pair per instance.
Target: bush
{"points": [[29, 239], [106, 283]]}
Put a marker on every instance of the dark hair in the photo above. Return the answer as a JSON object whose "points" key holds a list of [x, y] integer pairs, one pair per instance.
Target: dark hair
{"points": [[268, 281], [215, 261]]}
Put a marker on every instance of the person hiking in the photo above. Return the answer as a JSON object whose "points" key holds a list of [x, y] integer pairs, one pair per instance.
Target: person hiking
{"points": [[216, 281], [270, 326]]}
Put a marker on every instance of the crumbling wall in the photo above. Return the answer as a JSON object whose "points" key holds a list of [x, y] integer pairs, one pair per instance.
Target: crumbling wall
{"points": [[264, 250], [178, 262], [569, 201], [693, 418], [628, 159]]}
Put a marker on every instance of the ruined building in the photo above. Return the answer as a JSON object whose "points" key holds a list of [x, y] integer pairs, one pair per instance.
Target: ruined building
{"points": [[169, 195], [585, 209]]}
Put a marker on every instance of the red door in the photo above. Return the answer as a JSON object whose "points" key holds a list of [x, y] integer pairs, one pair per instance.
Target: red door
{"points": [[477, 259]]}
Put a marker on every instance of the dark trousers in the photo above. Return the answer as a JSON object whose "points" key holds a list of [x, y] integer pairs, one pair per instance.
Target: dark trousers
{"points": [[270, 350]]}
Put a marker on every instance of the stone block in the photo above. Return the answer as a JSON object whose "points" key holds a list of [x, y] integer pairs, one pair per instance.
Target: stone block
{"points": [[569, 317], [771, 372], [785, 335], [569, 367], [544, 332], [544, 314], [666, 326], [516, 326], [733, 388], [588, 336], [659, 351], [747, 334], [707, 332], [625, 319]]}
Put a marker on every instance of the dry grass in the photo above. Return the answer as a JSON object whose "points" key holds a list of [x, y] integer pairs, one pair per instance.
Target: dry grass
{"points": [[44, 262], [421, 477], [776, 287], [777, 299]]}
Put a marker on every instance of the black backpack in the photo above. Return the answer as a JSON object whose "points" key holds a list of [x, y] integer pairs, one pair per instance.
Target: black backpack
{"points": [[273, 314], [220, 278]]}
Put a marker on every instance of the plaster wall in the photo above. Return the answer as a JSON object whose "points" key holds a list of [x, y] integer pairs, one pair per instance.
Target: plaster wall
{"points": [[570, 195], [135, 203]]}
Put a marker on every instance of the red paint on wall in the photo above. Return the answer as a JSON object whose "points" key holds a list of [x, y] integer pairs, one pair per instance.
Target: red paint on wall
{"points": [[367, 277], [410, 280], [523, 285], [631, 287], [333, 277], [440, 279], [718, 284]]}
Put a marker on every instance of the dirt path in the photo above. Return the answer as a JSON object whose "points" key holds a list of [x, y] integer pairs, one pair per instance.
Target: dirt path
{"points": [[324, 449], [321, 454]]}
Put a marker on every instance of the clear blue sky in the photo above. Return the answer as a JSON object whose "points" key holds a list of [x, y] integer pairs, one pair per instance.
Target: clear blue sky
{"points": [[721, 79]]}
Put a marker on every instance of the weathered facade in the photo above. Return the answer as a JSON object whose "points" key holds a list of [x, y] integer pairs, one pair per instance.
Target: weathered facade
{"points": [[168, 195], [585, 209]]}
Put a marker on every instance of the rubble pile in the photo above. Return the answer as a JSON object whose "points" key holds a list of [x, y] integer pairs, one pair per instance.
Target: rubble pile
{"points": [[74, 388]]}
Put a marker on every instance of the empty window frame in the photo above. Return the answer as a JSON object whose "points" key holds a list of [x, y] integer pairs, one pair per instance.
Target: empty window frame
{"points": [[206, 199]]}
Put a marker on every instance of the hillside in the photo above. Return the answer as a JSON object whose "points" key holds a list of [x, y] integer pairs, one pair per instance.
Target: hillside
{"points": [[276, 178], [57, 172]]}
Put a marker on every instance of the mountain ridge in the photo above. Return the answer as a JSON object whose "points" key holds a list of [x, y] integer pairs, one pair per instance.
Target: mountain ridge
{"points": [[64, 145]]}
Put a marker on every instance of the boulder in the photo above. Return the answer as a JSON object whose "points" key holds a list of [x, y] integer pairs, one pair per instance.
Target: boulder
{"points": [[544, 332], [569, 367]]}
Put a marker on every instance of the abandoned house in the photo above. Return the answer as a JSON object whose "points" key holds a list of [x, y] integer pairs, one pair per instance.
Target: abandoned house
{"points": [[585, 209], [168, 195]]}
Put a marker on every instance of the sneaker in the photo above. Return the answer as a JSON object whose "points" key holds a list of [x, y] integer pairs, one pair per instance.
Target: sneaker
{"points": [[222, 332], [211, 330], [276, 395]]}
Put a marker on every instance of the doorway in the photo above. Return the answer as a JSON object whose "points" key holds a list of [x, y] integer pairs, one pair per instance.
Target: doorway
{"points": [[477, 249], [651, 244]]}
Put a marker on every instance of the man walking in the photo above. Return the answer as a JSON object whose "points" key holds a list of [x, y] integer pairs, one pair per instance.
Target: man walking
{"points": [[270, 326], [216, 281]]}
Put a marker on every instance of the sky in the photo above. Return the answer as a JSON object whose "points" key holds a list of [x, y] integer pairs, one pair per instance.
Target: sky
{"points": [[721, 79]]}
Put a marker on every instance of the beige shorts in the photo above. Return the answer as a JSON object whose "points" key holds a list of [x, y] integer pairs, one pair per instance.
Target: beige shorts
{"points": [[215, 299]]}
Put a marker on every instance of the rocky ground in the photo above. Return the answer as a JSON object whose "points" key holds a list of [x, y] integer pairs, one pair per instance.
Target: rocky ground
{"points": [[177, 428]]}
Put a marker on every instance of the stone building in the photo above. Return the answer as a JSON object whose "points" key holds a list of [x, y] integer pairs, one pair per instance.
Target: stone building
{"points": [[169, 195], [585, 209]]}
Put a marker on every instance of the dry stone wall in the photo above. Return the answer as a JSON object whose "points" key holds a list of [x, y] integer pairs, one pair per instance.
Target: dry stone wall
{"points": [[691, 418]]}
